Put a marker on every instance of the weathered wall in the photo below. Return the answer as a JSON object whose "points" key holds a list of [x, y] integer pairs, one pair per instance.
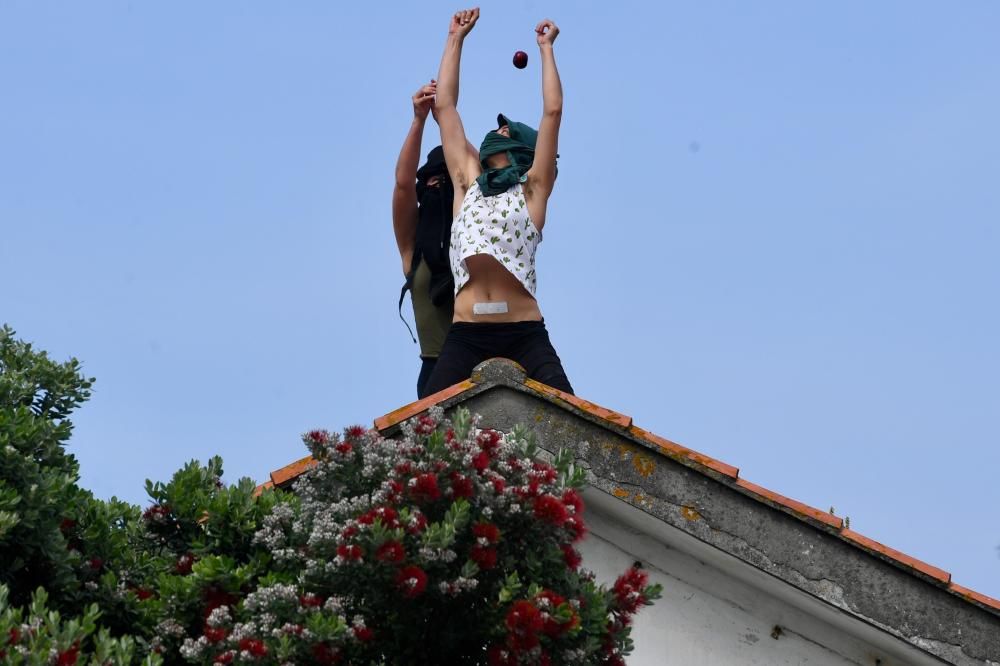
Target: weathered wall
{"points": [[863, 610]]}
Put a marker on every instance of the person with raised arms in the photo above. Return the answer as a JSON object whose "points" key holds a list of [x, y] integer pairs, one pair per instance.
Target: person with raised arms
{"points": [[500, 202]]}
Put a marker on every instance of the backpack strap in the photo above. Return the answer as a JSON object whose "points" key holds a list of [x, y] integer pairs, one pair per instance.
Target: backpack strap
{"points": [[407, 286]]}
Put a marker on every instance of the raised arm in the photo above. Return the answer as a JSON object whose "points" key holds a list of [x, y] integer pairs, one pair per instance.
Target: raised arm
{"points": [[542, 175], [404, 194], [463, 165]]}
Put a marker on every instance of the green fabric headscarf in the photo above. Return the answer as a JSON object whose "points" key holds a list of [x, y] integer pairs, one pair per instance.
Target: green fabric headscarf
{"points": [[520, 149]]}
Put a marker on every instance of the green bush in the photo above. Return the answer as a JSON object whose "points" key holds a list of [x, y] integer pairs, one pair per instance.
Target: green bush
{"points": [[449, 545]]}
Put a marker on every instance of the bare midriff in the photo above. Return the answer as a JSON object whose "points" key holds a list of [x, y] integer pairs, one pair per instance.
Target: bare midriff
{"points": [[490, 282]]}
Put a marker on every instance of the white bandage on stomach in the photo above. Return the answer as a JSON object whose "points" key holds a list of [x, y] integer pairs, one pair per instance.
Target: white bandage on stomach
{"points": [[499, 307]]}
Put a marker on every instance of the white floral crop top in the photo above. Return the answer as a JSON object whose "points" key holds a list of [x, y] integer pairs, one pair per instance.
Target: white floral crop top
{"points": [[498, 226]]}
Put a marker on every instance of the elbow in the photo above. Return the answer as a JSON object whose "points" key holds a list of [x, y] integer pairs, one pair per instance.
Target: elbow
{"points": [[553, 111], [443, 103]]}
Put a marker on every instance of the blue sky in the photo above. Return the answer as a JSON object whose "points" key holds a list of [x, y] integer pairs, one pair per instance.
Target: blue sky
{"points": [[773, 239]]}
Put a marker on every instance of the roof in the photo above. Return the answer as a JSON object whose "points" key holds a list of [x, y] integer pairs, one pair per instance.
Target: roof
{"points": [[630, 470]]}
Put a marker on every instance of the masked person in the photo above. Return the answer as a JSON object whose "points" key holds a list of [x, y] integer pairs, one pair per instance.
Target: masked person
{"points": [[421, 220], [501, 196]]}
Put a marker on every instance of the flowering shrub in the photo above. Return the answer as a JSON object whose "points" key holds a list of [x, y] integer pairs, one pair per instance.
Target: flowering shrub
{"points": [[450, 545]]}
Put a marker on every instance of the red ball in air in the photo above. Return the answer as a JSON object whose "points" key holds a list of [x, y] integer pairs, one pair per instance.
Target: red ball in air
{"points": [[520, 59]]}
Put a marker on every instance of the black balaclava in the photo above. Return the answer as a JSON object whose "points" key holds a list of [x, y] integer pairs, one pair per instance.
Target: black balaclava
{"points": [[434, 224]]}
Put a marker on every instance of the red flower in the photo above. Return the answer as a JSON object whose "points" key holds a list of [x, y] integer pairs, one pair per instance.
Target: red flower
{"points": [[488, 440], [487, 531], [67, 524], [142, 593], [394, 490], [344, 447], [425, 425], [573, 499], [225, 658], [156, 513], [391, 552], [349, 552], [215, 634], [184, 563], [481, 461], [629, 590], [325, 654], [318, 436], [412, 581], [485, 557], [15, 636], [524, 622], [69, 656], [554, 599], [363, 634], [461, 485], [386, 514], [571, 556], [214, 597], [310, 600], [552, 603], [545, 472], [96, 564], [549, 509], [255, 647], [349, 532], [354, 431], [499, 484], [426, 488]]}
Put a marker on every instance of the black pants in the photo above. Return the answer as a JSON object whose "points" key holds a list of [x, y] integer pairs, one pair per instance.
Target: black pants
{"points": [[468, 345], [427, 364]]}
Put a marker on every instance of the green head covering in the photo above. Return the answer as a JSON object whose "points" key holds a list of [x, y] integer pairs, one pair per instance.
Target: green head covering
{"points": [[520, 149]]}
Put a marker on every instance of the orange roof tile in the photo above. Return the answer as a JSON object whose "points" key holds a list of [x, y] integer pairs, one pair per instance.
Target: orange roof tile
{"points": [[289, 472], [414, 408], [800, 509], [871, 545], [595, 410], [972, 595], [675, 450]]}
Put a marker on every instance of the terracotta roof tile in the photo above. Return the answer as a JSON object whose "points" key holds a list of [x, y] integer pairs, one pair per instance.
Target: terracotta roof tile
{"points": [[972, 595], [281, 476], [937, 574], [267, 485], [799, 508], [584, 405], [414, 408], [675, 450]]}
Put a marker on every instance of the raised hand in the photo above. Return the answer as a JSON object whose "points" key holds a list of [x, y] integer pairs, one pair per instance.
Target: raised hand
{"points": [[546, 32], [463, 21], [423, 100]]}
